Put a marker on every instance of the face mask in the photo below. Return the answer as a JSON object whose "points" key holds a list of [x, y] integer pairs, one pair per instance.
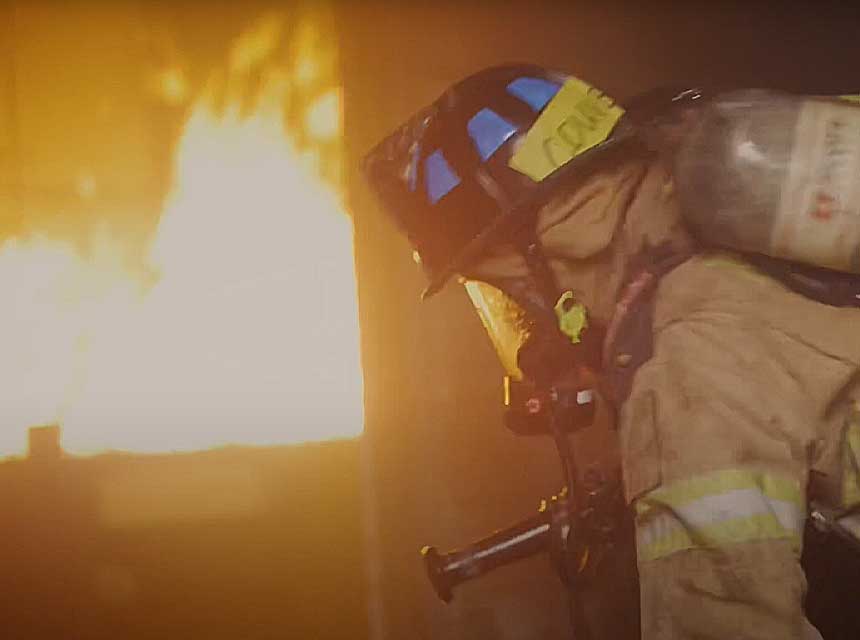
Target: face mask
{"points": [[546, 350]]}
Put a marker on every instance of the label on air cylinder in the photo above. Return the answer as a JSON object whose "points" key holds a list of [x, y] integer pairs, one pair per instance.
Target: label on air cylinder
{"points": [[818, 219]]}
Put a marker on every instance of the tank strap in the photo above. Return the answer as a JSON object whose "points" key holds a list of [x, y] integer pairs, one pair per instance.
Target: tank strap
{"points": [[833, 288]]}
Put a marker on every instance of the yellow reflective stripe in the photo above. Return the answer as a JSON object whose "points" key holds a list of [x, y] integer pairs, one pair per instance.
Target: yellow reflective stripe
{"points": [[851, 460], [717, 509], [717, 482]]}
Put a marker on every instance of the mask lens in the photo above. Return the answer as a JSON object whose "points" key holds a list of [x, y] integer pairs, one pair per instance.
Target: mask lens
{"points": [[505, 322]]}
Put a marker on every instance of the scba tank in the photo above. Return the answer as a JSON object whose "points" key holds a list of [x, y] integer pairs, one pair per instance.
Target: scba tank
{"points": [[776, 174]]}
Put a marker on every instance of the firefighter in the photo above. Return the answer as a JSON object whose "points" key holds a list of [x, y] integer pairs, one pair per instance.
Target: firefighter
{"points": [[736, 396]]}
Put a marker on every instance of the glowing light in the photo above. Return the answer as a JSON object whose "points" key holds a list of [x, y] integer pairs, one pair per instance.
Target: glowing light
{"points": [[249, 334], [172, 86], [307, 70], [86, 185], [253, 47], [323, 116], [54, 299]]}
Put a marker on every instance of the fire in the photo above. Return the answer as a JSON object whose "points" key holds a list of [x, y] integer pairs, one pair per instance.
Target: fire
{"points": [[249, 334]]}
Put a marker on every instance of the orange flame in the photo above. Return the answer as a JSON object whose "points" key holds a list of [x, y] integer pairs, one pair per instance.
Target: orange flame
{"points": [[249, 335]]}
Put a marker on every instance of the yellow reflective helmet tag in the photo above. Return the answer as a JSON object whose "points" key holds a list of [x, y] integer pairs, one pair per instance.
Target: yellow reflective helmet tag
{"points": [[572, 316], [576, 119]]}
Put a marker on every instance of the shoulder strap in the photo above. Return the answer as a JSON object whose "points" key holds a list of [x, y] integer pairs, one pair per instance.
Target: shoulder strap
{"points": [[629, 336], [628, 342]]}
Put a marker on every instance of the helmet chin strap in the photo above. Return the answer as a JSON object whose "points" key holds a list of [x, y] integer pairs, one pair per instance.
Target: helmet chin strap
{"points": [[528, 243], [539, 268], [557, 313]]}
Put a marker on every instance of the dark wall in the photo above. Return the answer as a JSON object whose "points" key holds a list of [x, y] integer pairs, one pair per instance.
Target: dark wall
{"points": [[444, 469], [241, 543]]}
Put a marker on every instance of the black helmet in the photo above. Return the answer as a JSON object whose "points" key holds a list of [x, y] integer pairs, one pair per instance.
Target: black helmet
{"points": [[447, 176], [475, 167]]}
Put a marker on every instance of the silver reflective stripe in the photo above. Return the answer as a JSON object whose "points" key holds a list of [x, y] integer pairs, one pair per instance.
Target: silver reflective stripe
{"points": [[733, 516], [739, 503]]}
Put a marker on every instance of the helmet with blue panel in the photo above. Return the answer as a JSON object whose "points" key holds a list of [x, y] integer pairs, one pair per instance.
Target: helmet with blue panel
{"points": [[472, 169], [445, 176]]}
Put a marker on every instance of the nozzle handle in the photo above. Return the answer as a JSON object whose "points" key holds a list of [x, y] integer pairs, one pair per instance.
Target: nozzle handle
{"points": [[521, 540]]}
